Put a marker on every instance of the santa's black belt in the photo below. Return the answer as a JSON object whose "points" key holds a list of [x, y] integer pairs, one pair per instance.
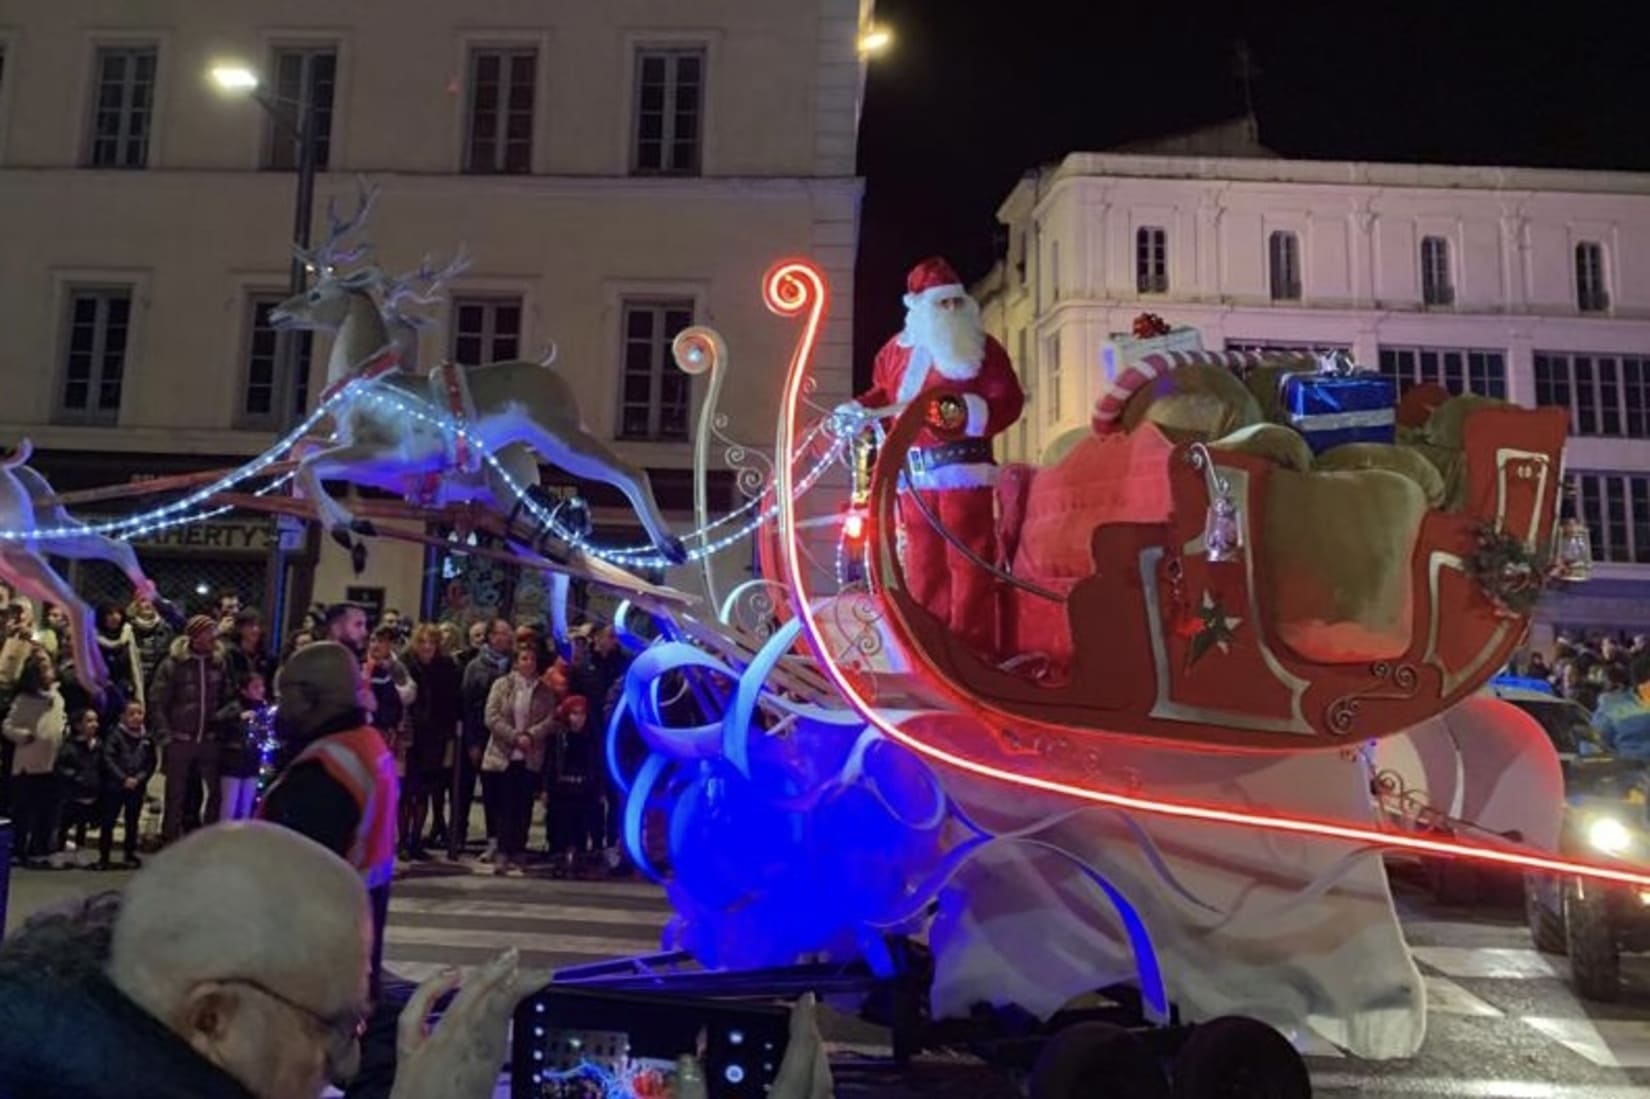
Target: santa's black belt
{"points": [[930, 458]]}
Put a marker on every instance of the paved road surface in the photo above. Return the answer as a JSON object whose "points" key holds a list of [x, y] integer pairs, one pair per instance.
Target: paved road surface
{"points": [[1502, 1023]]}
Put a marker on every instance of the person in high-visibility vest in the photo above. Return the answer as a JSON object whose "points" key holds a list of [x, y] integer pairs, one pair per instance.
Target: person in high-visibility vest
{"points": [[340, 789]]}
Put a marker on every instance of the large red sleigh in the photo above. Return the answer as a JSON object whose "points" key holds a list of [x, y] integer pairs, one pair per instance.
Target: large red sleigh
{"points": [[1353, 611]]}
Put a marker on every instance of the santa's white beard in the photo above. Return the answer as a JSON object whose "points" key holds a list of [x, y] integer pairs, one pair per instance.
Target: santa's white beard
{"points": [[954, 337]]}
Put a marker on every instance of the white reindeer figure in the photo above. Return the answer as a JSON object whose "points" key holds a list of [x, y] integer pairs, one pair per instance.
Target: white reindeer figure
{"points": [[520, 407], [26, 505]]}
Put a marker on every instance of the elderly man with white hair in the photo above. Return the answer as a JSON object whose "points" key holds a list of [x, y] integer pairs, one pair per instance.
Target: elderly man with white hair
{"points": [[236, 966]]}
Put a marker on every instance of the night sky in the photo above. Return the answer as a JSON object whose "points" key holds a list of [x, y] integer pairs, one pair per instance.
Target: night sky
{"points": [[976, 92]]}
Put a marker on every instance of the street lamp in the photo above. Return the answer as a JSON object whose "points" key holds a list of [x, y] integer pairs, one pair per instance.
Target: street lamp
{"points": [[875, 40], [297, 120]]}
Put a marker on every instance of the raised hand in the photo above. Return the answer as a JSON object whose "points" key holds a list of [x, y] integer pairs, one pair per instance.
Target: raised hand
{"points": [[459, 1057]]}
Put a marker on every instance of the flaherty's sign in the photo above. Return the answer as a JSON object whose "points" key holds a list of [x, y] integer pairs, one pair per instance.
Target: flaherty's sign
{"points": [[226, 535]]}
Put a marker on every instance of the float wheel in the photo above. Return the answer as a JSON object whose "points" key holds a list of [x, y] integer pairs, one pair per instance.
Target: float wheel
{"points": [[1097, 1061], [1235, 1057], [1595, 956], [1546, 925]]}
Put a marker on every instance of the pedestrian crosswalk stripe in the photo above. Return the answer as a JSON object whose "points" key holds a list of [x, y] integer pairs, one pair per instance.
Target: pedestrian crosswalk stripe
{"points": [[489, 939], [1493, 963], [1387, 1083], [1608, 1043], [519, 910], [1445, 997]]}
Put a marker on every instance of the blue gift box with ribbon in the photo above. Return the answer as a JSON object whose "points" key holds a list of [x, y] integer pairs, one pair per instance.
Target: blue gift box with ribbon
{"points": [[1340, 404]]}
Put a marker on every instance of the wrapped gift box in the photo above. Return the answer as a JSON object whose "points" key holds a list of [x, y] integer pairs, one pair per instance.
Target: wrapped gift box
{"points": [[1119, 351], [1334, 408]]}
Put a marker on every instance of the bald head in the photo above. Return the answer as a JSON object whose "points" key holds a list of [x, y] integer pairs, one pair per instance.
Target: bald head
{"points": [[238, 938], [318, 684], [237, 900]]}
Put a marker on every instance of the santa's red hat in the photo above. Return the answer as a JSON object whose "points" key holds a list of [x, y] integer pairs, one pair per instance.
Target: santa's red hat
{"points": [[931, 280]]}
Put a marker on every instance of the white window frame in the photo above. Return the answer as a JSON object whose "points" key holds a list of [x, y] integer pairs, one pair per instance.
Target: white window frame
{"points": [[1148, 281], [1283, 265], [90, 416], [1053, 380], [132, 44], [670, 51], [275, 135], [1591, 298], [1599, 387], [489, 303], [662, 363], [1466, 353], [275, 419], [1437, 273], [1592, 491], [507, 51]]}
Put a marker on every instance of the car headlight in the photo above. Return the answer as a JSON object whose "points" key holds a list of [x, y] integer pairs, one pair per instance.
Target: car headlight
{"points": [[1609, 835]]}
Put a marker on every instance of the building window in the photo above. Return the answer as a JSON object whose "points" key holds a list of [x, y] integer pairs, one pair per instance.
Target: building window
{"points": [[1287, 347], [502, 86], [1436, 285], [122, 107], [304, 76], [486, 330], [1017, 250], [1591, 296], [1606, 395], [656, 394], [1459, 370], [265, 373], [1052, 388], [1054, 270], [94, 363], [1151, 260], [1284, 265], [1616, 509], [670, 91]]}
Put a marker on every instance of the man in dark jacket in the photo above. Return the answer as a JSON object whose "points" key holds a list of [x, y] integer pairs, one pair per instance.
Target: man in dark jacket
{"points": [[490, 665], [191, 685]]}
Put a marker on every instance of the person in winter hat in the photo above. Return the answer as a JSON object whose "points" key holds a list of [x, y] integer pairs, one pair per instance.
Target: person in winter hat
{"points": [[950, 467], [191, 685]]}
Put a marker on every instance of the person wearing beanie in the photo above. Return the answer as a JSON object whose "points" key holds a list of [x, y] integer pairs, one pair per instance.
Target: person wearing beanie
{"points": [[341, 789], [191, 685]]}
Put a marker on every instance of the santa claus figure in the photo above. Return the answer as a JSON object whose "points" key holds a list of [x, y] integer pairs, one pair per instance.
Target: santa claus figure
{"points": [[950, 465]]}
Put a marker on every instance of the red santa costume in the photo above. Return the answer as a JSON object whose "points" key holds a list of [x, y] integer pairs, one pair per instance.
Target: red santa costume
{"points": [[954, 471]]}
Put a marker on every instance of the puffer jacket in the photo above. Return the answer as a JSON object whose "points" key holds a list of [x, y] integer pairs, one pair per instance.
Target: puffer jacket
{"points": [[501, 722], [127, 756], [78, 769], [188, 692], [36, 723]]}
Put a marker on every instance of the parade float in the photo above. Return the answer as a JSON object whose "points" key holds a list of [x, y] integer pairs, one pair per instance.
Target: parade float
{"points": [[1146, 800]]}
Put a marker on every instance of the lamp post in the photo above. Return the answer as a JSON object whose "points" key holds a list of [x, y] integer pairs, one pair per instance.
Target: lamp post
{"points": [[297, 120]]}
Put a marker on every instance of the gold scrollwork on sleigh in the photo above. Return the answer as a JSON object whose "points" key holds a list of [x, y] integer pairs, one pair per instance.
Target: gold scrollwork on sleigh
{"points": [[1393, 683]]}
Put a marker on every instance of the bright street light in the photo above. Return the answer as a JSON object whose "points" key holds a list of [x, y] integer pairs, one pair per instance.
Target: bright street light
{"points": [[232, 77], [875, 40]]}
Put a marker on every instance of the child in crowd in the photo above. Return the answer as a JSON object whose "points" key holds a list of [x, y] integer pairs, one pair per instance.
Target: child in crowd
{"points": [[242, 726], [129, 760], [36, 724], [79, 771], [575, 810]]}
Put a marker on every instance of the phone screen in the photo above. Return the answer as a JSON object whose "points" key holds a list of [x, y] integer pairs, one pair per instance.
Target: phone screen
{"points": [[572, 1043]]}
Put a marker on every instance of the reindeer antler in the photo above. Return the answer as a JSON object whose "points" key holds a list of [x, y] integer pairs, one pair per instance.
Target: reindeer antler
{"points": [[330, 253], [424, 286]]}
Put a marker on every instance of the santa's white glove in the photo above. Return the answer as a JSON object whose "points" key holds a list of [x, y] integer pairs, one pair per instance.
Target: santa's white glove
{"points": [[847, 419], [459, 1057]]}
